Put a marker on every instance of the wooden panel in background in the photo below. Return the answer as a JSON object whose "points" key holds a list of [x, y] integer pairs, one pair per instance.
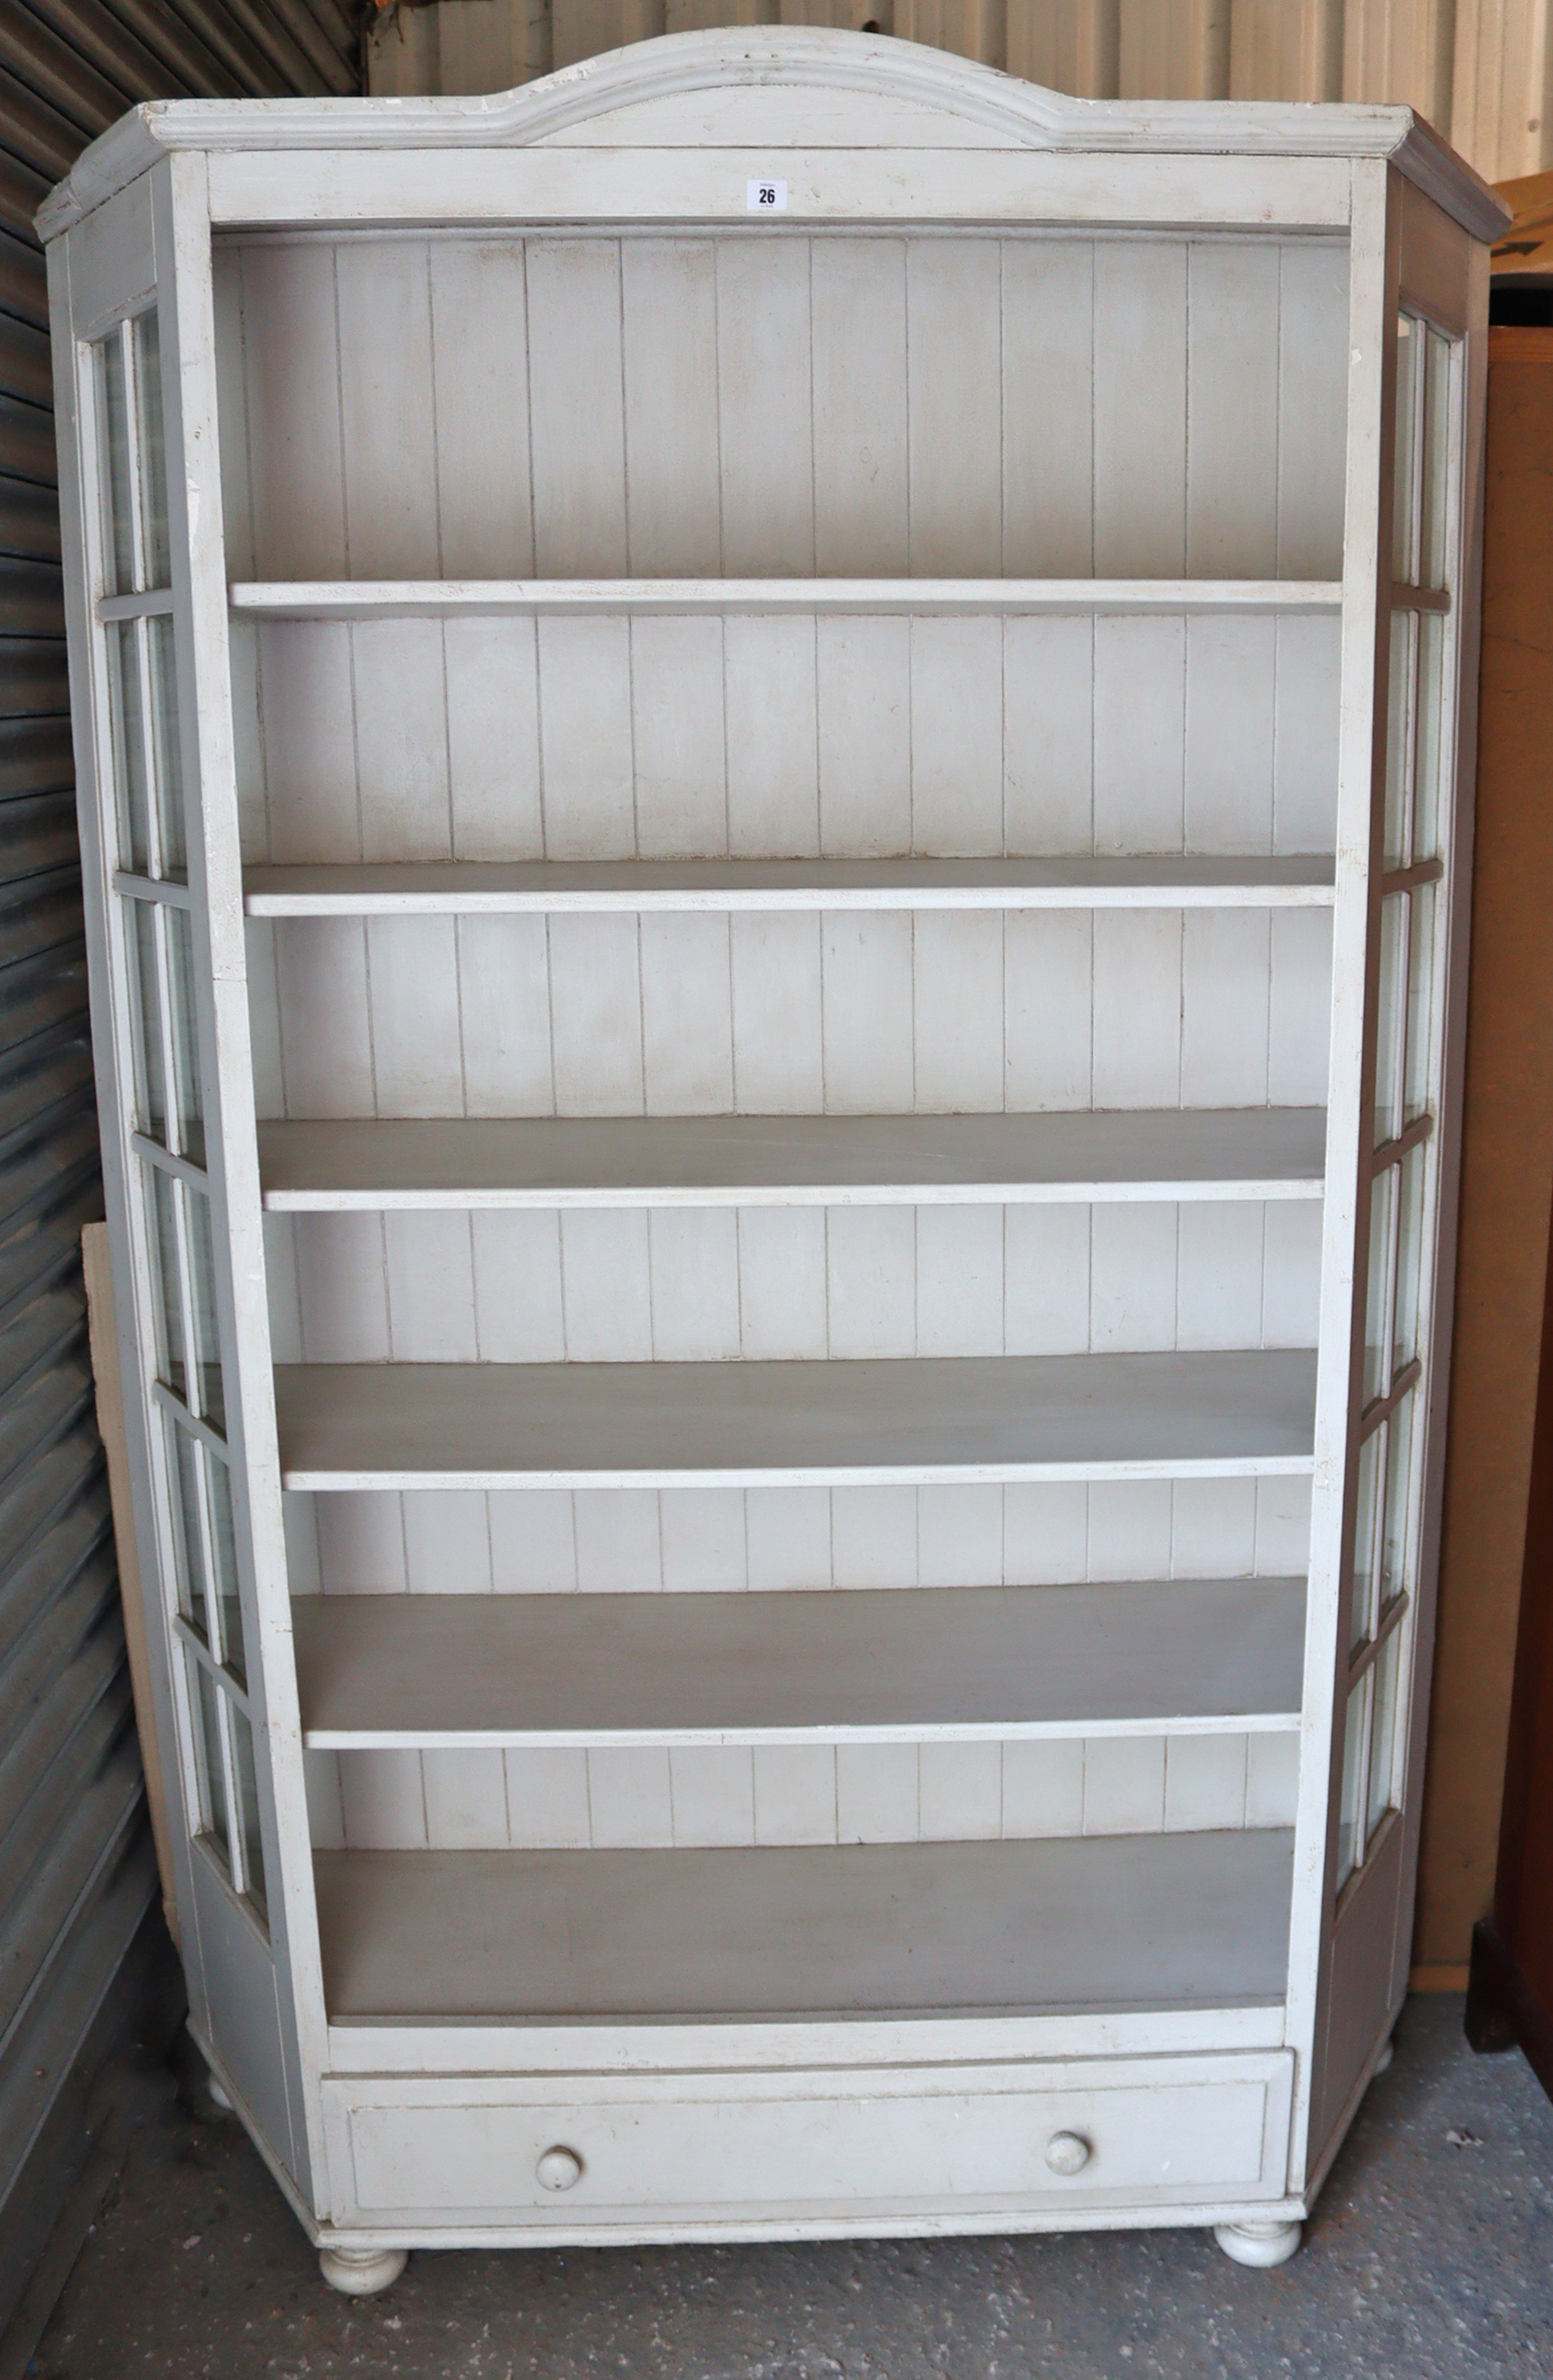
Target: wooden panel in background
{"points": [[1511, 1991], [1507, 1172]]}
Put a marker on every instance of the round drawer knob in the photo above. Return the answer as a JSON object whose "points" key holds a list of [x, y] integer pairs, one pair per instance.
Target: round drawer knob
{"points": [[1067, 2152], [561, 2169]]}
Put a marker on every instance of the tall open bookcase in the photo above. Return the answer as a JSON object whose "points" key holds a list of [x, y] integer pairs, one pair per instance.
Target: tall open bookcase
{"points": [[774, 751]]}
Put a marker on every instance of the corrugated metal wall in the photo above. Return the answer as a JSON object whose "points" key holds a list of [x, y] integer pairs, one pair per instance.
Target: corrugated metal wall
{"points": [[1476, 68], [77, 1878]]}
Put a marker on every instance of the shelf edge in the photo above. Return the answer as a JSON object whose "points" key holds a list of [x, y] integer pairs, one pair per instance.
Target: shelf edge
{"points": [[402, 599], [606, 1739], [303, 1481], [1249, 1192]]}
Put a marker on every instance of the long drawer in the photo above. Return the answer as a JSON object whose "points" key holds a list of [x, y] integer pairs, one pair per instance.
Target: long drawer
{"points": [[449, 2152]]}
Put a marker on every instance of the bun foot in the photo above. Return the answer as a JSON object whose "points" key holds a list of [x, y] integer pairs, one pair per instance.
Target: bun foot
{"points": [[1259, 2244], [362, 2272]]}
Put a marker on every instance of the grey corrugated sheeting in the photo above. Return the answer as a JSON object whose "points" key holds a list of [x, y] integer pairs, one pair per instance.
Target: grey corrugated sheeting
{"points": [[77, 1881]]}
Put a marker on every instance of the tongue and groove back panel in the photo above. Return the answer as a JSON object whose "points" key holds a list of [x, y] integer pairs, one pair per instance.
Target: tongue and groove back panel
{"points": [[938, 406], [783, 403]]}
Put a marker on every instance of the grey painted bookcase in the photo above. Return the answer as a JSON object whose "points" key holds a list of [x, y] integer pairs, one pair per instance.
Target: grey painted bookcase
{"points": [[773, 748]]}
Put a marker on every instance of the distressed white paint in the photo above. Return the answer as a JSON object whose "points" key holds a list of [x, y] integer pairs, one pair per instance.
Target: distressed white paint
{"points": [[798, 814]]}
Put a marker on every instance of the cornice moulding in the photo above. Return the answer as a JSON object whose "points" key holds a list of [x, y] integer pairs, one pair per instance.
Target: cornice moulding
{"points": [[1013, 114]]}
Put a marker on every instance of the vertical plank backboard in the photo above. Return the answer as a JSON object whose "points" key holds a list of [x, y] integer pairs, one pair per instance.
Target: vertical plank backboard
{"points": [[295, 466], [479, 371], [1232, 411], [955, 407], [576, 408], [669, 337], [384, 299], [765, 396], [1048, 408], [858, 329], [1140, 416]]}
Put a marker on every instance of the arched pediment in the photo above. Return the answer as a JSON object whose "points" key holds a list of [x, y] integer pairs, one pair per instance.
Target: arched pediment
{"points": [[812, 86], [775, 86]]}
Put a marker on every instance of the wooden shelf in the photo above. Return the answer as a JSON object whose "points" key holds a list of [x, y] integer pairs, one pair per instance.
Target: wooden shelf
{"points": [[466, 1671], [398, 599], [794, 1161], [1117, 1922], [956, 1420], [472, 888]]}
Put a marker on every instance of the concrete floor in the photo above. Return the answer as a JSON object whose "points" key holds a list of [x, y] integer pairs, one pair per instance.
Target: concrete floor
{"points": [[1430, 2257]]}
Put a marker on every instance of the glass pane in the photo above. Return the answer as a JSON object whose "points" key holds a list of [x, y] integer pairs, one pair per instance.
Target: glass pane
{"points": [[1418, 1067], [164, 744], [1377, 1284], [1366, 1531], [213, 1781], [168, 1300], [1430, 715], [1399, 739], [224, 1558], [129, 750], [207, 1344], [1353, 1782], [193, 1601], [1391, 997], [1411, 1185], [151, 1087], [118, 547], [1394, 1573], [1383, 1731], [186, 1044], [1404, 514], [1434, 542], [153, 451], [247, 1805]]}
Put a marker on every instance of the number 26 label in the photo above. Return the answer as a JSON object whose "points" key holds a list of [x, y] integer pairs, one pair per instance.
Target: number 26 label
{"points": [[764, 198]]}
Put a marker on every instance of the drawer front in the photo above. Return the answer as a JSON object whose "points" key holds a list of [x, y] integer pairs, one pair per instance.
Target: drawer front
{"points": [[752, 2146]]}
